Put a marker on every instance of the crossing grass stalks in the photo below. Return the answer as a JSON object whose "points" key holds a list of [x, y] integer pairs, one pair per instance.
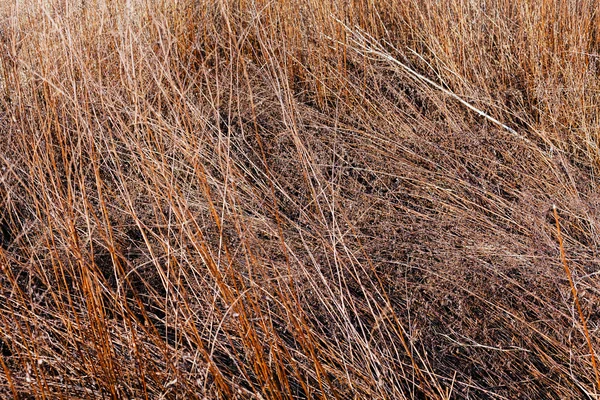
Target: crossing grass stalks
{"points": [[299, 199]]}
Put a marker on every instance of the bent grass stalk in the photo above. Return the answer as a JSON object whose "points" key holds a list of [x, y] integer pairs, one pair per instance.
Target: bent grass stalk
{"points": [[575, 295]]}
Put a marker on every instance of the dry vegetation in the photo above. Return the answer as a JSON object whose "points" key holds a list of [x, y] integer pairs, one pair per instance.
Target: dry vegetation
{"points": [[255, 199]]}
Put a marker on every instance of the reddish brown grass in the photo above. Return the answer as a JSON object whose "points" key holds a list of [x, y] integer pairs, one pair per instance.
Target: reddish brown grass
{"points": [[569, 274], [287, 200]]}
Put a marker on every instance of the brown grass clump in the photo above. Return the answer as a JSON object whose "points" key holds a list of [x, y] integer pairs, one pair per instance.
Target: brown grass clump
{"points": [[289, 200]]}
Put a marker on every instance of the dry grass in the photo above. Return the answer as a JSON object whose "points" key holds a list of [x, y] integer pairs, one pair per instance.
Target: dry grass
{"points": [[277, 200]]}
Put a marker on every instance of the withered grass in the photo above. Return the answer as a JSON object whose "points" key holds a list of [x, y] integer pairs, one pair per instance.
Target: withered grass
{"points": [[222, 199]]}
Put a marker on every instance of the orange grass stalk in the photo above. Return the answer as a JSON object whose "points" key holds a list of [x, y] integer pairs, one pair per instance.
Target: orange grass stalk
{"points": [[575, 296]]}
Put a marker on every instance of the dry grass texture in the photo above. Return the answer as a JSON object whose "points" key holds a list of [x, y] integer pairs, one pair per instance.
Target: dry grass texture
{"points": [[292, 199]]}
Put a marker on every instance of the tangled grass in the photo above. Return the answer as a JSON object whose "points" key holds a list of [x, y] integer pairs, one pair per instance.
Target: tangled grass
{"points": [[299, 199]]}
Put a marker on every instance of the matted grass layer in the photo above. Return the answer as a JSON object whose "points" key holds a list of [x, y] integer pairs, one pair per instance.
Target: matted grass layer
{"points": [[299, 199]]}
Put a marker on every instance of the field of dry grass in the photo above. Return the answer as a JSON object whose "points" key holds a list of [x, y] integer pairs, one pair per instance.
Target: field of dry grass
{"points": [[340, 199]]}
